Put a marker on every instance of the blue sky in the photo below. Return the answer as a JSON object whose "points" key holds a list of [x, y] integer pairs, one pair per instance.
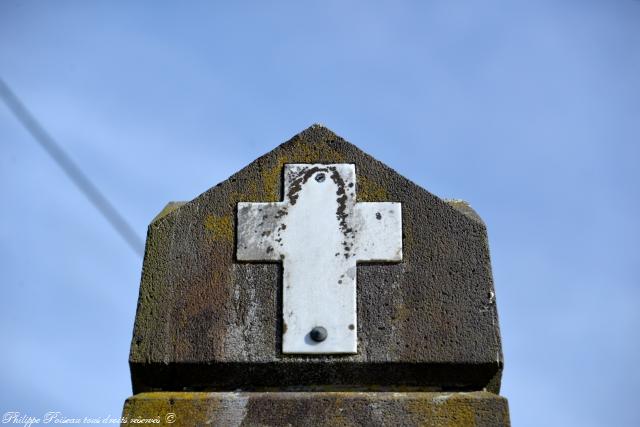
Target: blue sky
{"points": [[528, 110]]}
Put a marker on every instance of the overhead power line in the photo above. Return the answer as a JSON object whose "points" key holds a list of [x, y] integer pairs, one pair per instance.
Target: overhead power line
{"points": [[72, 170]]}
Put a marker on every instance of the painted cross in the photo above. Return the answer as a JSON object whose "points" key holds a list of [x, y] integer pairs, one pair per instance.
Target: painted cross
{"points": [[319, 233]]}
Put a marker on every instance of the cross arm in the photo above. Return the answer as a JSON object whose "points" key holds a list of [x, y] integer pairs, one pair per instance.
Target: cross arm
{"points": [[379, 236], [260, 229]]}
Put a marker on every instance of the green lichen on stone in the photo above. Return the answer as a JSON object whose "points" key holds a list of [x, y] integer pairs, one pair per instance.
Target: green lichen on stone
{"points": [[170, 207], [220, 227], [170, 408], [462, 409], [297, 151], [477, 409], [465, 208], [148, 341], [370, 191]]}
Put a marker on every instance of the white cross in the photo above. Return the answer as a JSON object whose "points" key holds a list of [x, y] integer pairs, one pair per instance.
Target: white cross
{"points": [[319, 233]]}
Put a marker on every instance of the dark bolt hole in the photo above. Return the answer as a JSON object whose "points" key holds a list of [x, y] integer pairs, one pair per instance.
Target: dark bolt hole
{"points": [[318, 334], [320, 177]]}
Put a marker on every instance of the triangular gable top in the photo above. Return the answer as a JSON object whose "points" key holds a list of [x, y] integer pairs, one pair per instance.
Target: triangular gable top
{"points": [[206, 320]]}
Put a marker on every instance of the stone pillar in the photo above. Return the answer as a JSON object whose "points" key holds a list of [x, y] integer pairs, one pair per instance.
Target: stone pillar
{"points": [[245, 319]]}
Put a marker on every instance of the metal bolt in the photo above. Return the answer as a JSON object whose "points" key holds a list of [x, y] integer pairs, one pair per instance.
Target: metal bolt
{"points": [[318, 334], [320, 177]]}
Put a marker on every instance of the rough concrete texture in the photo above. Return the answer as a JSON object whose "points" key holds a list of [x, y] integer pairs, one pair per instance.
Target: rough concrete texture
{"points": [[208, 322], [320, 409]]}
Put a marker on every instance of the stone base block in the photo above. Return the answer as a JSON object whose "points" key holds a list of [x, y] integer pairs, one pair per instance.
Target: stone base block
{"points": [[317, 409]]}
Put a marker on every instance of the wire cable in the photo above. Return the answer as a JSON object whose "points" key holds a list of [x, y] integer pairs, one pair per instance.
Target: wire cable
{"points": [[72, 170]]}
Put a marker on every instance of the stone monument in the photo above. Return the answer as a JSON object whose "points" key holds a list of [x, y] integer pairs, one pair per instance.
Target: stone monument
{"points": [[317, 286]]}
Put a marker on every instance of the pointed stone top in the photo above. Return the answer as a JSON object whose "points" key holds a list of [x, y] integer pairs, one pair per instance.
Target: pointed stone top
{"points": [[207, 320]]}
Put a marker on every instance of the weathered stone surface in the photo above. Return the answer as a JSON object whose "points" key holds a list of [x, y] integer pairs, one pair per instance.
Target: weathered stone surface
{"points": [[207, 321], [321, 409]]}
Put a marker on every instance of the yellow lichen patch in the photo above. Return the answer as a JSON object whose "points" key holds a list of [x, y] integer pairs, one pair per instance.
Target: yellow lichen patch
{"points": [[322, 409], [401, 312], [340, 403], [456, 411], [271, 180], [221, 227], [170, 207], [250, 191], [169, 408], [315, 153], [370, 191], [299, 152], [445, 410]]}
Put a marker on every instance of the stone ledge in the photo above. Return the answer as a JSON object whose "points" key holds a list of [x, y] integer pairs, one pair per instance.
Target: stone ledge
{"points": [[320, 408]]}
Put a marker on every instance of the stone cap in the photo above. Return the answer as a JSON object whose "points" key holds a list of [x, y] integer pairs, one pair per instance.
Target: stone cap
{"points": [[206, 321]]}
